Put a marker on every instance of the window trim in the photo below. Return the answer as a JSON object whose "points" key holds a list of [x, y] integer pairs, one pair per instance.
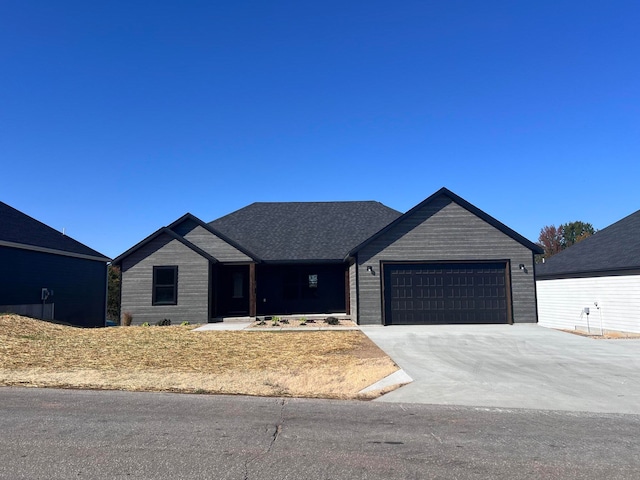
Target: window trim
{"points": [[155, 285]]}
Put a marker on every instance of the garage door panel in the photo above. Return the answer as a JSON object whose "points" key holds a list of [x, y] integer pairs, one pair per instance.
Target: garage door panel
{"points": [[445, 293]]}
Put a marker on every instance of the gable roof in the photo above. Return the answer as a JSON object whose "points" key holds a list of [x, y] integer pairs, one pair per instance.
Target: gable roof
{"points": [[18, 230], [614, 248], [463, 203], [304, 231], [156, 234], [210, 229]]}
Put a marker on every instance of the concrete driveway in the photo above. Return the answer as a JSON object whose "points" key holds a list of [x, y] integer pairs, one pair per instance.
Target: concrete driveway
{"points": [[519, 366]]}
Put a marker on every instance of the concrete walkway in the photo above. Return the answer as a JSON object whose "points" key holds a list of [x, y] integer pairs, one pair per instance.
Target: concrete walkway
{"points": [[519, 366]]}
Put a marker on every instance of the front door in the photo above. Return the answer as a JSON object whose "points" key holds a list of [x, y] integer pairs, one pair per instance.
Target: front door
{"points": [[234, 288]]}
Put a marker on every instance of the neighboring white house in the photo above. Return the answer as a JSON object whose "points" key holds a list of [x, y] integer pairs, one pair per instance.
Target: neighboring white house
{"points": [[594, 285]]}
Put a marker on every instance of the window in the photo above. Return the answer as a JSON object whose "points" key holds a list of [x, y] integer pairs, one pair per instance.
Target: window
{"points": [[165, 285], [299, 283], [238, 285]]}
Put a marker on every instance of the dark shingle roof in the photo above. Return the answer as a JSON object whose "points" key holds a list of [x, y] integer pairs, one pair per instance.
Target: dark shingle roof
{"points": [[302, 231], [616, 247], [21, 229]]}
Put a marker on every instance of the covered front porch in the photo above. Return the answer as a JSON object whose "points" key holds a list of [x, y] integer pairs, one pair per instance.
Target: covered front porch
{"points": [[250, 290]]}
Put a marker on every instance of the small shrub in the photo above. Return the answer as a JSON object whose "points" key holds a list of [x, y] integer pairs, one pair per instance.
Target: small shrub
{"points": [[285, 321], [276, 321], [146, 324], [163, 323], [184, 324], [261, 322], [303, 321], [127, 318], [332, 321]]}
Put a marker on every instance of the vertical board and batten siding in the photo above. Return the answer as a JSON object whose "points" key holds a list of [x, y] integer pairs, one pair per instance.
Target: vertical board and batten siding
{"points": [[193, 283], [444, 231], [561, 303], [215, 246], [79, 285]]}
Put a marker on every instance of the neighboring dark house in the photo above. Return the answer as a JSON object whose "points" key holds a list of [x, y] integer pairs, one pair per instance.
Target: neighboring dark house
{"points": [[595, 284], [46, 274], [444, 261]]}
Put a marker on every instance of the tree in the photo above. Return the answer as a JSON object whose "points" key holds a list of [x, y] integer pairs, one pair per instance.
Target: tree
{"points": [[554, 239], [574, 232], [550, 240], [113, 294]]}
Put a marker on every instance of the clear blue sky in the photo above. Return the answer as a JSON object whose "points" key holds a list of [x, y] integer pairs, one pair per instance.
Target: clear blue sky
{"points": [[118, 117]]}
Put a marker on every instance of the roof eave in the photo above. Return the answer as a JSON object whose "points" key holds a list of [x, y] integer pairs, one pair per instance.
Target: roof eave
{"points": [[156, 234], [214, 231], [55, 251]]}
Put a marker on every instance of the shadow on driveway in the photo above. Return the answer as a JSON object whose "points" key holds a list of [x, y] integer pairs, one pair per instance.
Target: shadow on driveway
{"points": [[512, 366]]}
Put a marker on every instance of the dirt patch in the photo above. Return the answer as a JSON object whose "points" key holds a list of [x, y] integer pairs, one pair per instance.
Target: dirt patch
{"points": [[606, 335], [327, 364]]}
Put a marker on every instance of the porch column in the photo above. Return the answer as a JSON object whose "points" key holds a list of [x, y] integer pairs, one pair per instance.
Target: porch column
{"points": [[347, 292], [252, 289]]}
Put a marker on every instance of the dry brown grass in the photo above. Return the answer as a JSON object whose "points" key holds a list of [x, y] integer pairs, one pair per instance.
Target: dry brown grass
{"points": [[328, 364]]}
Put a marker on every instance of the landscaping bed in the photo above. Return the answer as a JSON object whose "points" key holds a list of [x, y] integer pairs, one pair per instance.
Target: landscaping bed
{"points": [[303, 323], [325, 364]]}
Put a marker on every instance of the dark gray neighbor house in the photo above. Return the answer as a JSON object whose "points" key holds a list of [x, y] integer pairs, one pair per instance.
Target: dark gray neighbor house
{"points": [[444, 261], [46, 274]]}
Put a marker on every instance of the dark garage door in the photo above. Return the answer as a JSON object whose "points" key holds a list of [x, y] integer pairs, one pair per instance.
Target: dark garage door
{"points": [[442, 293]]}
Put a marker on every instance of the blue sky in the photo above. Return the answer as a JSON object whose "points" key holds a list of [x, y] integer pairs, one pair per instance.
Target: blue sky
{"points": [[117, 117]]}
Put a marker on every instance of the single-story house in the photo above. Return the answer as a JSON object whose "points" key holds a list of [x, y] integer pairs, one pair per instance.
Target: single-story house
{"points": [[49, 275], [443, 261], [595, 284]]}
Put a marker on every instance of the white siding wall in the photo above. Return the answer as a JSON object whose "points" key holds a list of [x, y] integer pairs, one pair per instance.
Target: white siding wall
{"points": [[561, 303]]}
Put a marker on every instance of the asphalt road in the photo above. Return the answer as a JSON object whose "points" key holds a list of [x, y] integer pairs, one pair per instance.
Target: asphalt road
{"points": [[64, 434]]}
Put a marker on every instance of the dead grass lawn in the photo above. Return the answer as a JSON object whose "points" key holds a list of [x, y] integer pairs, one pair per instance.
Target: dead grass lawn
{"points": [[327, 364]]}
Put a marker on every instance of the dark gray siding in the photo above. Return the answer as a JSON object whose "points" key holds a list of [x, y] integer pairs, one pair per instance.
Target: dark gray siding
{"points": [[193, 283], [443, 230], [353, 292], [215, 246], [79, 285]]}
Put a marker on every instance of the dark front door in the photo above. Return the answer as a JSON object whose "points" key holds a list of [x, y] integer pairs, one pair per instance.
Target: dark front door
{"points": [[234, 290], [444, 293]]}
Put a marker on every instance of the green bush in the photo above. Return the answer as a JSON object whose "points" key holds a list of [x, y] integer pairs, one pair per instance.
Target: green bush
{"points": [[184, 324], [146, 324]]}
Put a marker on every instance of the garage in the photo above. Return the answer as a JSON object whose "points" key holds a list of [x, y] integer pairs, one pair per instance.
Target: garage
{"points": [[446, 293]]}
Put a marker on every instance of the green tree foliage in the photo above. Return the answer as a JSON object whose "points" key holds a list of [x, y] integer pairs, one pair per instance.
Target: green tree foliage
{"points": [[113, 294], [554, 239], [574, 232]]}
